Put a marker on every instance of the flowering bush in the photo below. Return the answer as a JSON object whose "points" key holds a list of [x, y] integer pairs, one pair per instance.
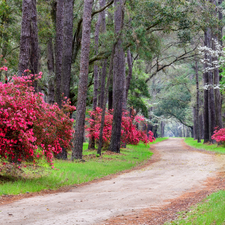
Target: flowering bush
{"points": [[28, 122], [219, 135], [129, 133]]}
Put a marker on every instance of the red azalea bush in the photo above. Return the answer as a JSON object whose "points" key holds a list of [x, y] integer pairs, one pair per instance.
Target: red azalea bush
{"points": [[129, 133], [30, 127], [219, 135]]}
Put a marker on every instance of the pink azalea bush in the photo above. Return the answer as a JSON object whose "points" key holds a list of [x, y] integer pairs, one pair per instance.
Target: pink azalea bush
{"points": [[29, 127], [219, 135], [129, 133]]}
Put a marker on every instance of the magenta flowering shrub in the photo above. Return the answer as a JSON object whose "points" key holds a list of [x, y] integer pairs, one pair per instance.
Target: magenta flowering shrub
{"points": [[28, 122], [219, 135], [129, 133]]}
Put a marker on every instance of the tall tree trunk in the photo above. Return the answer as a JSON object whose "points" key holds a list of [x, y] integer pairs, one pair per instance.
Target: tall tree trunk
{"points": [[211, 98], [195, 123], [197, 130], [67, 47], [206, 98], [162, 129], [28, 58], [110, 95], [118, 81], [104, 61], [104, 102], [50, 64], [218, 102], [220, 16], [34, 54], [83, 81], [110, 90], [124, 97], [201, 124], [129, 62], [59, 51], [91, 144]]}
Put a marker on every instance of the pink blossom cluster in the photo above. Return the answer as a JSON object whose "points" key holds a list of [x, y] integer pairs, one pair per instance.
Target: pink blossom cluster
{"points": [[129, 132], [4, 68], [219, 135], [29, 127]]}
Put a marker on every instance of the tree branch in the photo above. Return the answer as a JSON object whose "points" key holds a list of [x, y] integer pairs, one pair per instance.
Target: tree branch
{"points": [[102, 9]]}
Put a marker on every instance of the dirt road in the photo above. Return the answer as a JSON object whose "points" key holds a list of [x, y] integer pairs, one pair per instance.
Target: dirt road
{"points": [[178, 171]]}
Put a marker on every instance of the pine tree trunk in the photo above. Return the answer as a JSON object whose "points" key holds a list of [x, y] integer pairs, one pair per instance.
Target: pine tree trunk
{"points": [[129, 62], [104, 61], [25, 37], [211, 98], [206, 98], [195, 123], [59, 51], [91, 144], [50, 64], [118, 81], [29, 57], [218, 101], [67, 47], [162, 129], [104, 102], [197, 130], [110, 95], [83, 81]]}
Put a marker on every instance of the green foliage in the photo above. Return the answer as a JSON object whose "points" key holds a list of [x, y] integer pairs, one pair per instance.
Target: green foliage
{"points": [[10, 15], [138, 89]]}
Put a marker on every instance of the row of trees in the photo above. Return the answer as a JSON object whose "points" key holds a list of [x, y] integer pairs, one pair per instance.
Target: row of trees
{"points": [[119, 52]]}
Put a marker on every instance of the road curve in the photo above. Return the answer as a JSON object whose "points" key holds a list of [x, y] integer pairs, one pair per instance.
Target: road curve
{"points": [[178, 171]]}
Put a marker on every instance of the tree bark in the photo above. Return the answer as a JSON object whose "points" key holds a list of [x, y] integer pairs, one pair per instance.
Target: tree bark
{"points": [[195, 123], [197, 130], [129, 62], [50, 64], [211, 98], [118, 81], [104, 102], [67, 47], [206, 98], [34, 55], [29, 53], [110, 95], [83, 81], [59, 51], [163, 129], [218, 101], [91, 144], [104, 61]]}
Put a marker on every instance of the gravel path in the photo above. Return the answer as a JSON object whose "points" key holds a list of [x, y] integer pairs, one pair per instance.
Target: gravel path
{"points": [[178, 171]]}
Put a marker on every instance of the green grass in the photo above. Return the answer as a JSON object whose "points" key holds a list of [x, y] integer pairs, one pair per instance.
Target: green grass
{"points": [[72, 173], [210, 211], [209, 147]]}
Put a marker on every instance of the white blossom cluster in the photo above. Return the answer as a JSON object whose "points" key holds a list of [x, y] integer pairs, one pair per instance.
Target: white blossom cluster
{"points": [[214, 58], [215, 86]]}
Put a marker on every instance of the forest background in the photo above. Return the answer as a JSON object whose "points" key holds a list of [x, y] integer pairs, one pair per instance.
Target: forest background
{"points": [[161, 60]]}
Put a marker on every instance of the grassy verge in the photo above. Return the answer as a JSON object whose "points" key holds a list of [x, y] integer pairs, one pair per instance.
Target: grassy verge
{"points": [[210, 211], [209, 147], [71, 173]]}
